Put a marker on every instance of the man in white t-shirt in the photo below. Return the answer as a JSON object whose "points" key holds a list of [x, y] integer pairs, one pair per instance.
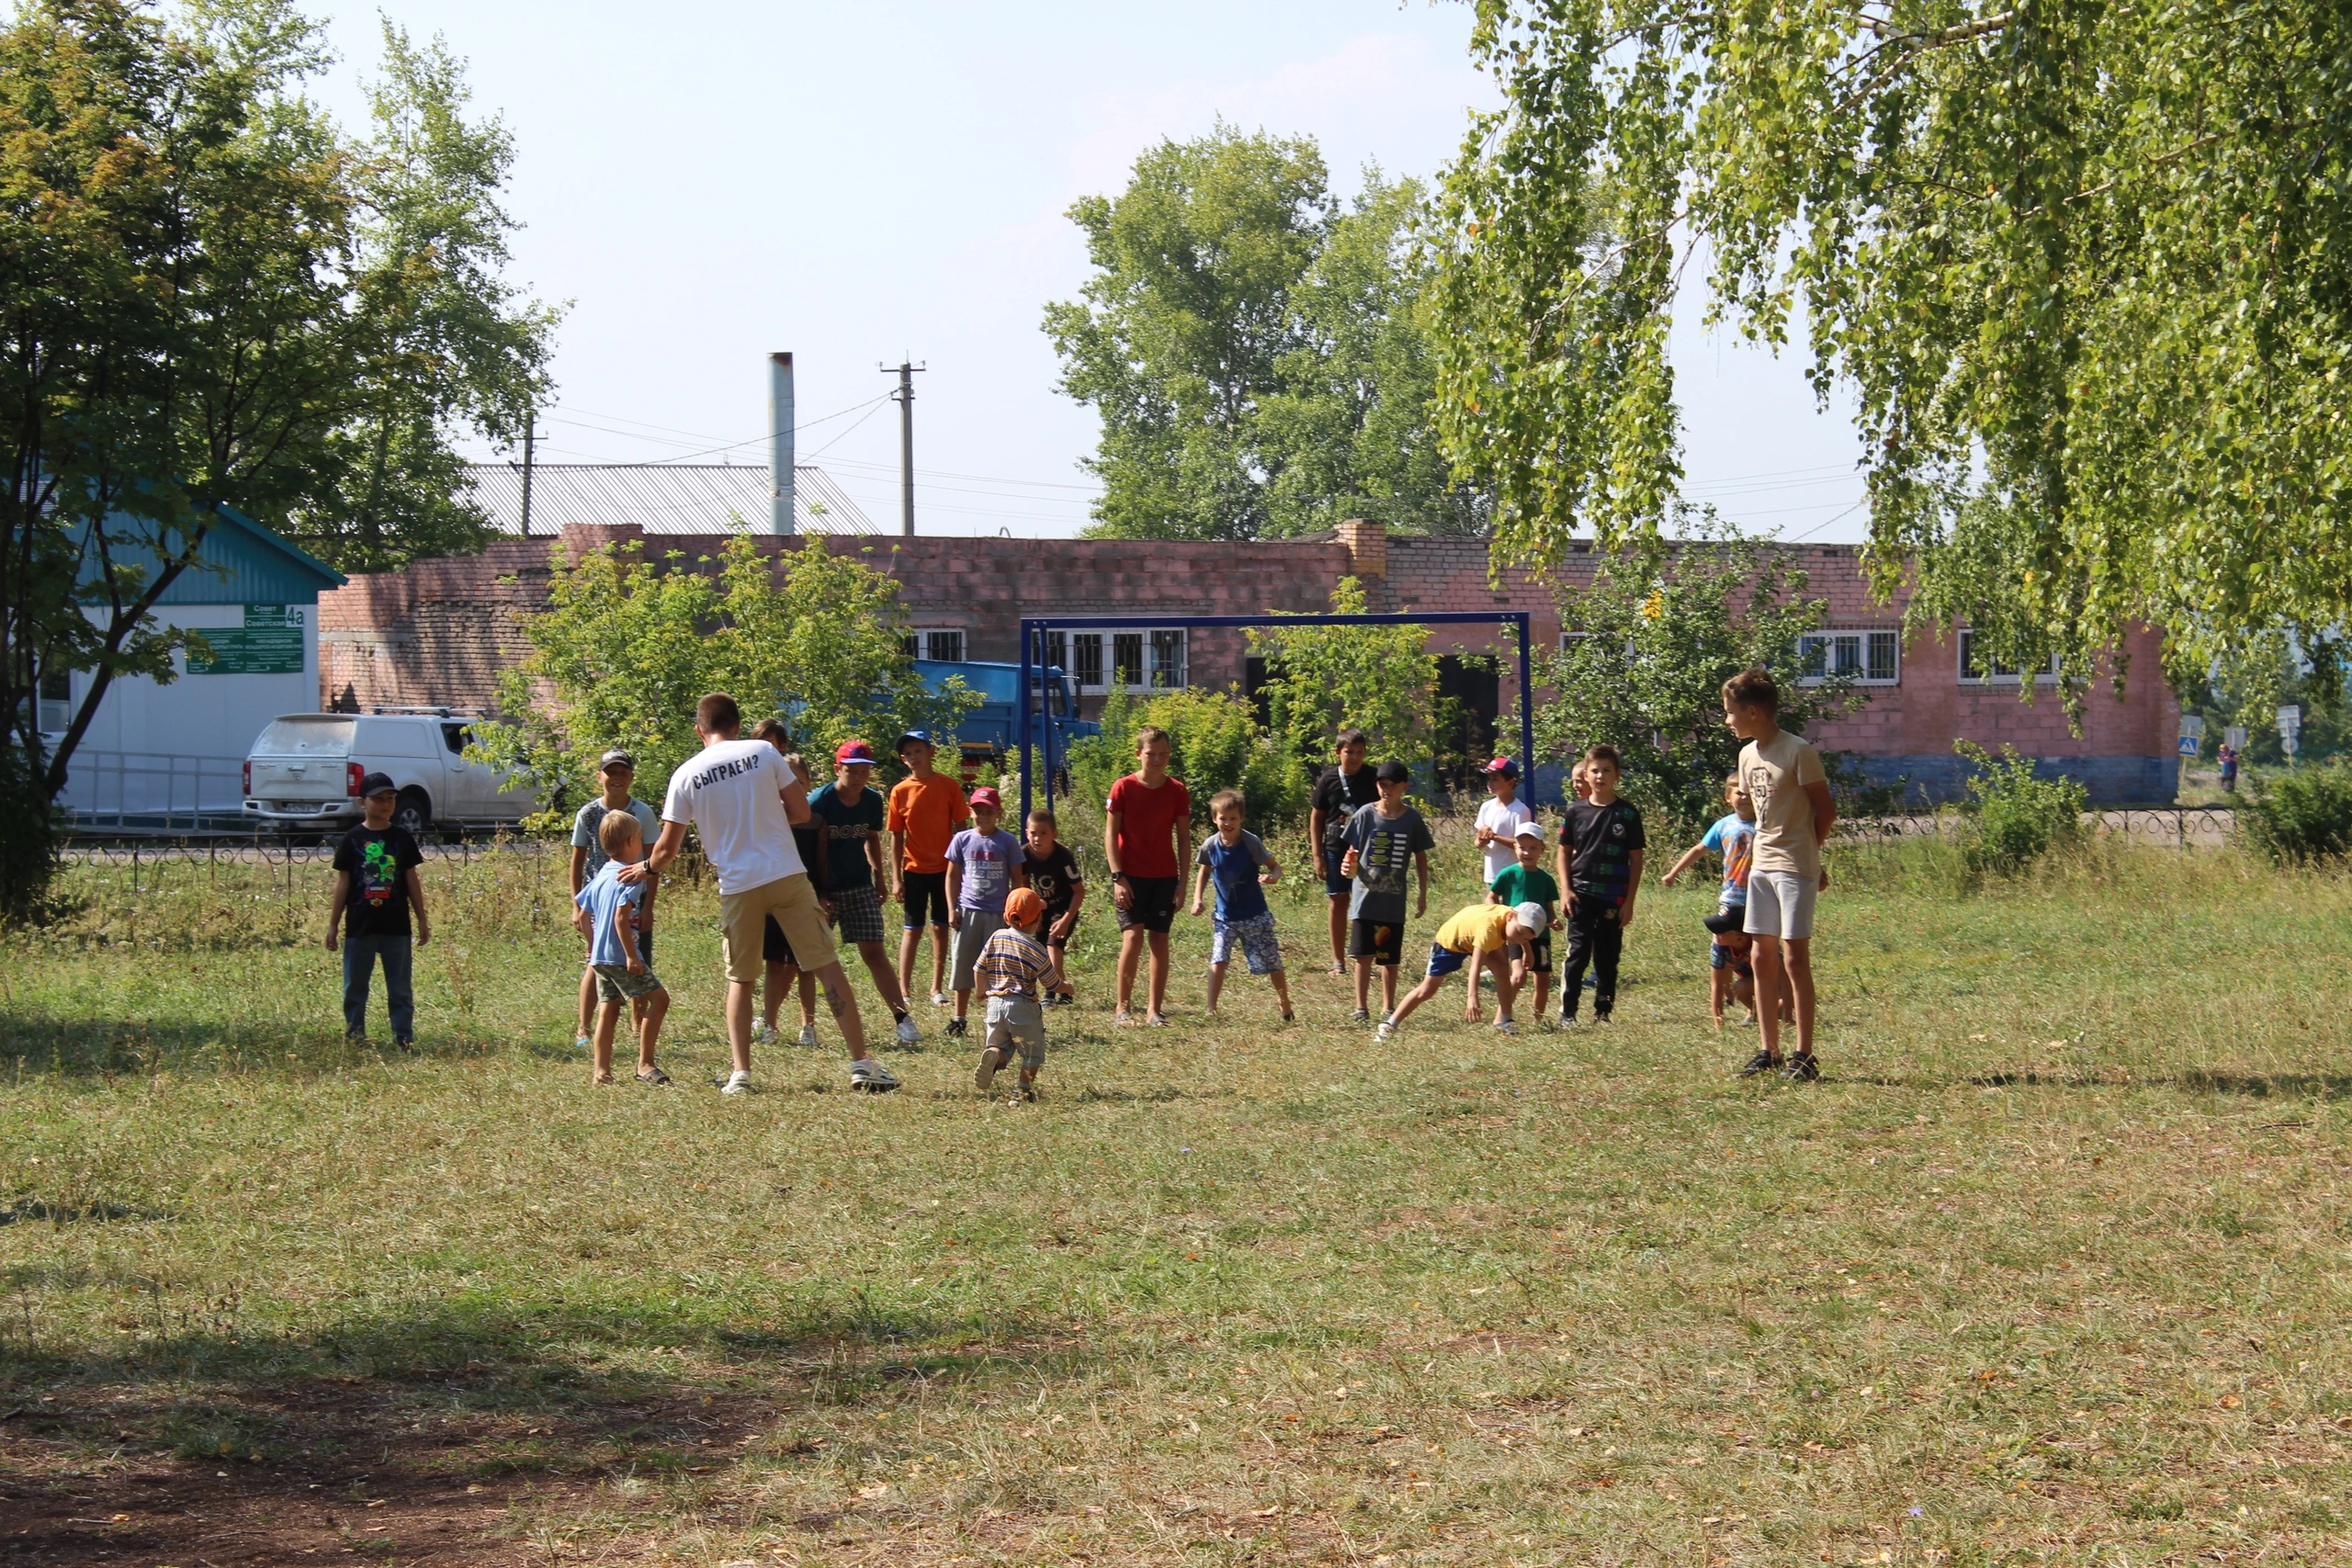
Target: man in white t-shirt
{"points": [[1499, 818], [1782, 782], [742, 798]]}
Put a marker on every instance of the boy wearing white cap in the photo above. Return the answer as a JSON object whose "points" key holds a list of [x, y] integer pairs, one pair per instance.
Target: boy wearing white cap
{"points": [[1526, 881], [1482, 929]]}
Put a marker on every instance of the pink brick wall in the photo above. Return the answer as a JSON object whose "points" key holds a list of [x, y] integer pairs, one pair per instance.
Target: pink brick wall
{"points": [[439, 632]]}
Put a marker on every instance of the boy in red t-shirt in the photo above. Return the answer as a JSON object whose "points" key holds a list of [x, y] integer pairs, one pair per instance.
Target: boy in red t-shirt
{"points": [[1147, 840]]}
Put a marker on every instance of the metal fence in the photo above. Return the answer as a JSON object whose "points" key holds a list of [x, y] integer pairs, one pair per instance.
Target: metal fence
{"points": [[2182, 827], [151, 792]]}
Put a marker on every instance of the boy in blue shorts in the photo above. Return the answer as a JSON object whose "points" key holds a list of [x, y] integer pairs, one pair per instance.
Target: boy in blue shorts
{"points": [[1485, 929], [1242, 868], [1732, 836]]}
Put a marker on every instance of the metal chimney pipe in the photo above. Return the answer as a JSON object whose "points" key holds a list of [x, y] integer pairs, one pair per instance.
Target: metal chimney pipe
{"points": [[780, 450]]}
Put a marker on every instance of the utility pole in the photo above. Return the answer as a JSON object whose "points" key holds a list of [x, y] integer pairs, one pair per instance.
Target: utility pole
{"points": [[905, 396], [530, 429]]}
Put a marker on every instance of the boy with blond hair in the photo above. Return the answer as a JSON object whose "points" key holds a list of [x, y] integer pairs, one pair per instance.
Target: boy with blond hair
{"points": [[616, 773], [1241, 866], [605, 912]]}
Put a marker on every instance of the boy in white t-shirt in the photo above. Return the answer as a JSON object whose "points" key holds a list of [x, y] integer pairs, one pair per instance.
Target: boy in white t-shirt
{"points": [[1500, 816], [742, 798], [1783, 785]]}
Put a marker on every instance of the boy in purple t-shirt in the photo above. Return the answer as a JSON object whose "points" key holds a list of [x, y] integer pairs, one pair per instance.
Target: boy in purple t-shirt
{"points": [[984, 864]]}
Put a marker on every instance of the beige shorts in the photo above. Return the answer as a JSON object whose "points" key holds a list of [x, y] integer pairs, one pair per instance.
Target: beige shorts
{"points": [[743, 925], [1017, 1027]]}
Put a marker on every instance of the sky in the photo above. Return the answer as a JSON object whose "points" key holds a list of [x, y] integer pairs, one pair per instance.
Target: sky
{"points": [[708, 181]]}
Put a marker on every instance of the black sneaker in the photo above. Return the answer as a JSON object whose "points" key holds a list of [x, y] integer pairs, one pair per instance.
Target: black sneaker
{"points": [[959, 1028], [1800, 1068], [1759, 1064]]}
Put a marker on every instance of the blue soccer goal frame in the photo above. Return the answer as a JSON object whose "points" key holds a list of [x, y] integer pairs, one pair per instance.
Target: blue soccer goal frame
{"points": [[1033, 645]]}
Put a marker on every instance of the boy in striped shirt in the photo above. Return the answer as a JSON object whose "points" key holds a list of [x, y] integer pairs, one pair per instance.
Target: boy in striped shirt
{"points": [[1010, 968]]}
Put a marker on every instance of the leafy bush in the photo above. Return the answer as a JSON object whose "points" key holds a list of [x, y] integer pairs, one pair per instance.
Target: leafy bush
{"points": [[1321, 680], [2014, 817], [2299, 816], [1215, 742]]}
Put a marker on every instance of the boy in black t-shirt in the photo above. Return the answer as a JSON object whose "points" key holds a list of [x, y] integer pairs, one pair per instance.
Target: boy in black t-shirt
{"points": [[1600, 854], [1054, 877], [376, 886], [1339, 794]]}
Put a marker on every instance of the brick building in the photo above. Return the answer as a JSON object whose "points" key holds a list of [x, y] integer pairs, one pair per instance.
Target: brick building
{"points": [[440, 631]]}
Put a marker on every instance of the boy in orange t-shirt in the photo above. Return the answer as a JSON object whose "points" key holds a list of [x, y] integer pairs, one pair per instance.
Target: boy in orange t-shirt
{"points": [[926, 809]]}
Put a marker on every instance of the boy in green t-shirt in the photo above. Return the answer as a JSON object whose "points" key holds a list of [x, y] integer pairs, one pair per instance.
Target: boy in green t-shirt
{"points": [[1526, 882]]}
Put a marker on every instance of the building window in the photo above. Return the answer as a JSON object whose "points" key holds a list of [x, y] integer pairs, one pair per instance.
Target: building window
{"points": [[1973, 671], [1140, 661], [1167, 661], [56, 700], [944, 644], [1866, 657], [1569, 639]]}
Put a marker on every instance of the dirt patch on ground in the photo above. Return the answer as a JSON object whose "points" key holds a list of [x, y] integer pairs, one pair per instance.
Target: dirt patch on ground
{"points": [[315, 1469]]}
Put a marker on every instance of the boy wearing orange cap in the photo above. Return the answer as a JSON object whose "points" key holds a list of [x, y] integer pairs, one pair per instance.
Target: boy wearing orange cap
{"points": [[1011, 965]]}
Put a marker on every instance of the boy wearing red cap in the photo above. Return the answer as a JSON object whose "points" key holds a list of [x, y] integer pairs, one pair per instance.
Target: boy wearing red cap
{"points": [[850, 819], [1012, 965], [984, 864]]}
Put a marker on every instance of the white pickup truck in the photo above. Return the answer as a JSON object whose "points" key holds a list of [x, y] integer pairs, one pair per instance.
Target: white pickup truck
{"points": [[304, 771]]}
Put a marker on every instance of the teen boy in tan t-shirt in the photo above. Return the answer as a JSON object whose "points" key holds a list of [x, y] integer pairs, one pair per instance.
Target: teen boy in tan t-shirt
{"points": [[1781, 779]]}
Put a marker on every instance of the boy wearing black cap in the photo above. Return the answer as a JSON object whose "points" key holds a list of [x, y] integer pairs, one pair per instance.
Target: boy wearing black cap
{"points": [[616, 776], [376, 886], [1382, 839]]}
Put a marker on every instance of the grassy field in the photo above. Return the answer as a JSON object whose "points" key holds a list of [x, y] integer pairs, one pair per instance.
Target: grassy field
{"points": [[2051, 1267]]}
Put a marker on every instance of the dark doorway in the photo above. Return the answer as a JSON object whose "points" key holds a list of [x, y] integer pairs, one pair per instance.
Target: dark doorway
{"points": [[1254, 686], [1468, 701]]}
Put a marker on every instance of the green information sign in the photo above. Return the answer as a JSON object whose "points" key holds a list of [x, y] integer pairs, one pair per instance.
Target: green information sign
{"points": [[269, 643]]}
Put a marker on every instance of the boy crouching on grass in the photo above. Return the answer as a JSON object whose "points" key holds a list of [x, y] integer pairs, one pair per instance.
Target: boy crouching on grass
{"points": [[1482, 929], [1242, 868], [1011, 965], [607, 917]]}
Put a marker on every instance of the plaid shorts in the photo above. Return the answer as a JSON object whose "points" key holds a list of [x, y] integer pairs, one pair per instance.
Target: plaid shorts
{"points": [[1255, 937], [857, 913]]}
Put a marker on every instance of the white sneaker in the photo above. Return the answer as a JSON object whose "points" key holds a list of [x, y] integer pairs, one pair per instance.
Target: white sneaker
{"points": [[1386, 1031], [939, 999], [764, 1034], [1506, 1026], [808, 1034], [872, 1077], [908, 1033], [738, 1082]]}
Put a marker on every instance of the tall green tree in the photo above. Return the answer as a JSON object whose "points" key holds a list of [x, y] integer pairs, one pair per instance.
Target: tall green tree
{"points": [[198, 301], [2085, 270], [1257, 351]]}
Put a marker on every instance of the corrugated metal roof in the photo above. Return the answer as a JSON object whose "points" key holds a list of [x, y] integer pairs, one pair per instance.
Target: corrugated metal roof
{"points": [[241, 563], [660, 498]]}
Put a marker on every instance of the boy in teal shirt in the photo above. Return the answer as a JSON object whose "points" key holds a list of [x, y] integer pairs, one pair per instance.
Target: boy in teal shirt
{"points": [[1526, 882]]}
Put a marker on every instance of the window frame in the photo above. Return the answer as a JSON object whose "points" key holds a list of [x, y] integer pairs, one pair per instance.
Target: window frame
{"points": [[1867, 640], [1136, 652], [1964, 645], [918, 641]]}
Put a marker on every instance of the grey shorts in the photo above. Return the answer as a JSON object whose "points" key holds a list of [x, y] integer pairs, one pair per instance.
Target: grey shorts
{"points": [[857, 914], [1780, 904], [971, 935], [1018, 1024], [615, 983]]}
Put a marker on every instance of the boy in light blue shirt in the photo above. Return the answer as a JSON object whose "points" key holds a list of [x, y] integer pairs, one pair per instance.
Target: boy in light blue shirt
{"points": [[606, 916]]}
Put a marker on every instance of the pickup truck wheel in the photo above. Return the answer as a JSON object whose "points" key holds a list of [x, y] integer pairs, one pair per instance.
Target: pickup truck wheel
{"points": [[413, 811]]}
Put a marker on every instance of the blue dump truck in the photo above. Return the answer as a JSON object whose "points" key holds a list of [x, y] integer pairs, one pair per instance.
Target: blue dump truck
{"points": [[989, 733]]}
